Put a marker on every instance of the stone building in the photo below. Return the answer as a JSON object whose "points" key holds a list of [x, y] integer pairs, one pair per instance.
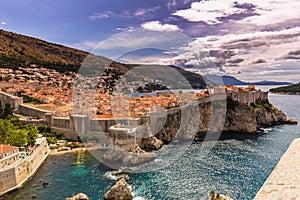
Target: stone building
{"points": [[8, 155]]}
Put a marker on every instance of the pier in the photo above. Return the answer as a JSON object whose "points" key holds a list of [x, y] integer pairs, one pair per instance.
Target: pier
{"points": [[284, 181]]}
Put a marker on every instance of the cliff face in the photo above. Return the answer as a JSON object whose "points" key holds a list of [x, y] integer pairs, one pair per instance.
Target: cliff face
{"points": [[186, 123], [248, 119]]}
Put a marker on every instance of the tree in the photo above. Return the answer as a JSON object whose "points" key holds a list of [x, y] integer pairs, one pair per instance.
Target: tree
{"points": [[3, 131], [7, 111], [32, 134], [11, 135], [13, 132], [18, 138]]}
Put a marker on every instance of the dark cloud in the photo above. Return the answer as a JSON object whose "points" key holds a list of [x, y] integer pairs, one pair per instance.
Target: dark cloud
{"points": [[236, 61], [246, 44], [293, 55], [222, 54], [259, 61]]}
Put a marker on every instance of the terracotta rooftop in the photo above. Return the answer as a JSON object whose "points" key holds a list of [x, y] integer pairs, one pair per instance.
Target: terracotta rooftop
{"points": [[6, 148]]}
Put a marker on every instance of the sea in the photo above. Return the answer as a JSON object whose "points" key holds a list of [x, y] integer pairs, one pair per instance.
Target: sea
{"points": [[237, 166]]}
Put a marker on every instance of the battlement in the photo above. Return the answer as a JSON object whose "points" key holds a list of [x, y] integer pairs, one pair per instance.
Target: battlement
{"points": [[248, 97]]}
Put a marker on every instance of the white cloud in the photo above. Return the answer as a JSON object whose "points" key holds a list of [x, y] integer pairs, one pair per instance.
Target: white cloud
{"points": [[272, 11], [209, 11], [176, 4], [157, 26], [265, 11], [239, 52], [140, 12], [134, 39], [154, 60], [3, 23], [129, 28], [144, 11], [109, 14]]}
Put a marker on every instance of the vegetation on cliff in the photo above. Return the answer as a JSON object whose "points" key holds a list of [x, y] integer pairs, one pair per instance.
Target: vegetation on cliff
{"points": [[248, 119], [291, 89], [262, 104]]}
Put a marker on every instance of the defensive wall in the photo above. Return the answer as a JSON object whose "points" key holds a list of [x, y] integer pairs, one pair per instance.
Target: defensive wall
{"points": [[34, 112], [18, 173], [81, 124], [14, 101], [248, 97]]}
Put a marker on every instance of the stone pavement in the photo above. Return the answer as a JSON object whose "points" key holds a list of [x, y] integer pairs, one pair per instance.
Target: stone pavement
{"points": [[284, 181]]}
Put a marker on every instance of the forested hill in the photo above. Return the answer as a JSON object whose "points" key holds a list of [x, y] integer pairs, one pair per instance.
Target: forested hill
{"points": [[18, 50], [291, 89]]}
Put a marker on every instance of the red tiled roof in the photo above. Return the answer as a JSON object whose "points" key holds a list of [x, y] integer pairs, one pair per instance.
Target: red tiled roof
{"points": [[7, 148]]}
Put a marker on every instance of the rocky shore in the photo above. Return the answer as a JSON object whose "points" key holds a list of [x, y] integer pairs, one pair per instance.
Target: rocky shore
{"points": [[237, 118], [133, 157], [194, 121]]}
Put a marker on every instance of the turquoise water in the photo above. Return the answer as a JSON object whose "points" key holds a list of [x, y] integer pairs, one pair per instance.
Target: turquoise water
{"points": [[237, 167]]}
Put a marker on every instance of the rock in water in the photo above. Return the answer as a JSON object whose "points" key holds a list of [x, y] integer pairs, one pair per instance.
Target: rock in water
{"points": [[221, 197], [215, 196], [291, 121], [136, 156], [79, 196], [120, 191], [152, 143]]}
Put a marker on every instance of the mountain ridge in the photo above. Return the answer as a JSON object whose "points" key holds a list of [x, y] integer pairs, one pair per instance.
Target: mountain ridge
{"points": [[17, 50], [230, 80]]}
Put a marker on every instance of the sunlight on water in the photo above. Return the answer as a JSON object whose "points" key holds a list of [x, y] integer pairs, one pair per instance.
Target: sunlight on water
{"points": [[237, 167]]}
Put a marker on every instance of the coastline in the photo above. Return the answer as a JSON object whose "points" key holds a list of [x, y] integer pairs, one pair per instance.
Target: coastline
{"points": [[285, 93], [63, 152]]}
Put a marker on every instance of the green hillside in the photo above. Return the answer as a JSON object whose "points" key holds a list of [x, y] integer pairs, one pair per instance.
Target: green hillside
{"points": [[287, 89], [18, 50]]}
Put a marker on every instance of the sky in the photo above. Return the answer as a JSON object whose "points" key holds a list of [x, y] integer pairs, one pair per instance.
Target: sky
{"points": [[252, 40]]}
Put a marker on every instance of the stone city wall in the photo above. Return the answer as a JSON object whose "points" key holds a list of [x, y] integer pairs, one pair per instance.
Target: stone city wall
{"points": [[7, 180], [34, 112], [61, 122], [14, 101]]}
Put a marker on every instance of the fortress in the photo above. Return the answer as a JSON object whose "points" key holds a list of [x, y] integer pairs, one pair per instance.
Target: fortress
{"points": [[80, 124], [17, 166]]}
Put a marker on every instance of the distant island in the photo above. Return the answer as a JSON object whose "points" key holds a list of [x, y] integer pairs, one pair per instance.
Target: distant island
{"points": [[230, 81], [291, 89]]}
